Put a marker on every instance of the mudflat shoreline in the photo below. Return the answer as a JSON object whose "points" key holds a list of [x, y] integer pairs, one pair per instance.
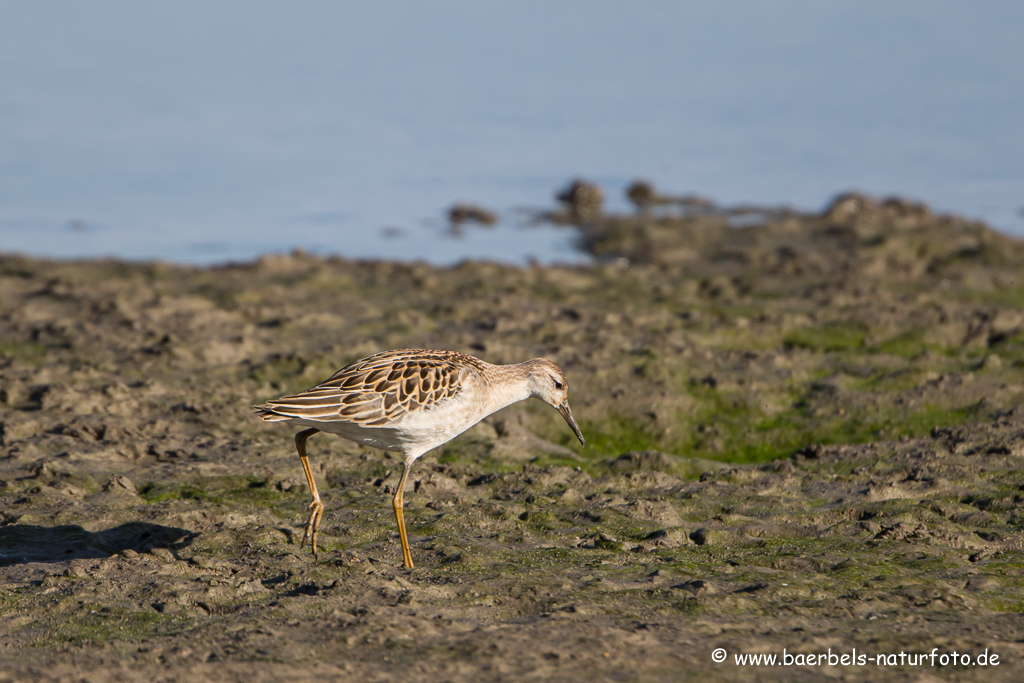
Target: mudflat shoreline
{"points": [[804, 433]]}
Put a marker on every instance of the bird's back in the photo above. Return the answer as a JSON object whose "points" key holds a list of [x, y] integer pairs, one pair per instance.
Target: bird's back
{"points": [[379, 391]]}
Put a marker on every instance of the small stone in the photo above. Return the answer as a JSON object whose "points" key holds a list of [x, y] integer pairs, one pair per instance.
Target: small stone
{"points": [[469, 213], [991, 362], [585, 199], [694, 587], [162, 554], [119, 482]]}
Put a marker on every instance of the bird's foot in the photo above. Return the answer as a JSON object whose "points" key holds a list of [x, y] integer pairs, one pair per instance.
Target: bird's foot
{"points": [[313, 525]]}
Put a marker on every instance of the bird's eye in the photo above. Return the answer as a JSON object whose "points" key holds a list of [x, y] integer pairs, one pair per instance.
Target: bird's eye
{"points": [[558, 385]]}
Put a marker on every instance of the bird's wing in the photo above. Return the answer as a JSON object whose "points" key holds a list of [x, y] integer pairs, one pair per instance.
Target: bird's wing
{"points": [[378, 390]]}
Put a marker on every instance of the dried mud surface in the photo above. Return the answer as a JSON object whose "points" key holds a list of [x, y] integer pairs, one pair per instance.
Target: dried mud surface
{"points": [[804, 434]]}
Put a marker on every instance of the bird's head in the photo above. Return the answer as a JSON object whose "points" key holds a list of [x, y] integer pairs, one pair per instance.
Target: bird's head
{"points": [[548, 383]]}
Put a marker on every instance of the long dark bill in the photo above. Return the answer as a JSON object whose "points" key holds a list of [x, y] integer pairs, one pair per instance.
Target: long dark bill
{"points": [[567, 414]]}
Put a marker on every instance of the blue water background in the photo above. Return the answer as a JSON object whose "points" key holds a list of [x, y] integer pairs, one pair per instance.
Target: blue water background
{"points": [[207, 131]]}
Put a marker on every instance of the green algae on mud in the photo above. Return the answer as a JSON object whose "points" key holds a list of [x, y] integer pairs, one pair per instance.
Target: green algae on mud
{"points": [[803, 433]]}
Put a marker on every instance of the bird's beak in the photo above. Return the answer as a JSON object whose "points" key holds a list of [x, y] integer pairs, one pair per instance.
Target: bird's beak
{"points": [[563, 408]]}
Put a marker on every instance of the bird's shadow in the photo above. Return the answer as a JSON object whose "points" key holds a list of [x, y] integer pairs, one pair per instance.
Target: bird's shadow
{"points": [[23, 543]]}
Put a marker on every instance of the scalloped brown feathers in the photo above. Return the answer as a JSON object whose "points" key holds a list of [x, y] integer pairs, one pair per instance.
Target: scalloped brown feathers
{"points": [[377, 390]]}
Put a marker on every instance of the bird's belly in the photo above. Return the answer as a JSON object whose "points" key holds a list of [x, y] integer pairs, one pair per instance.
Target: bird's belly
{"points": [[413, 435], [385, 438], [429, 429]]}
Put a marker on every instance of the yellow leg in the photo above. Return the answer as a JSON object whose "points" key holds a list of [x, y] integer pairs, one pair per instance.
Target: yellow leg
{"points": [[316, 507], [400, 516]]}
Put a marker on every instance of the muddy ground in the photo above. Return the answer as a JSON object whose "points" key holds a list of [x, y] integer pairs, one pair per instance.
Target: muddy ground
{"points": [[803, 433]]}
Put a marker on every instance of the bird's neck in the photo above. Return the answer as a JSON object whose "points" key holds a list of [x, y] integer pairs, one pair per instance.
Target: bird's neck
{"points": [[508, 384]]}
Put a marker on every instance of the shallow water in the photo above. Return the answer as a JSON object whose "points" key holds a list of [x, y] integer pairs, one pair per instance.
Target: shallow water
{"points": [[201, 134]]}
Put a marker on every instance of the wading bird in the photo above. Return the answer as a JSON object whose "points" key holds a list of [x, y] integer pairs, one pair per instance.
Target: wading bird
{"points": [[411, 401]]}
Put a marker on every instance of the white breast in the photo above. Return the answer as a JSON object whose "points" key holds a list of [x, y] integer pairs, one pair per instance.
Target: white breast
{"points": [[428, 428]]}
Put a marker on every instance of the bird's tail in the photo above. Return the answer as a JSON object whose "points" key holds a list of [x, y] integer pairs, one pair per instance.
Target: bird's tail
{"points": [[267, 414]]}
